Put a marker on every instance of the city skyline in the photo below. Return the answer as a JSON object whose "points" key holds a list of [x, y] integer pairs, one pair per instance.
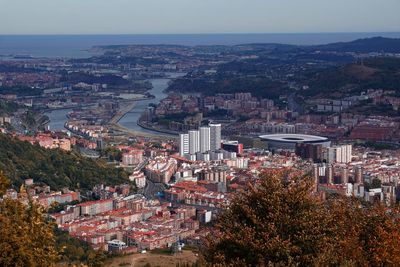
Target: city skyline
{"points": [[135, 132], [185, 17], [203, 140]]}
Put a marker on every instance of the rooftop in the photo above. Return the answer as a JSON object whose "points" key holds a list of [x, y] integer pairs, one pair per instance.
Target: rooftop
{"points": [[293, 138]]}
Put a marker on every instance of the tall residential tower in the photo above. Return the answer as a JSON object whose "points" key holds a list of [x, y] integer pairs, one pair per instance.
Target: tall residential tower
{"points": [[183, 144], [215, 136], [204, 139], [194, 142]]}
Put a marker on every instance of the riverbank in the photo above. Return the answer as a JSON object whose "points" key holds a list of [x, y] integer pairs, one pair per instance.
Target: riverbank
{"points": [[126, 107], [119, 129], [127, 117], [129, 123], [145, 126]]}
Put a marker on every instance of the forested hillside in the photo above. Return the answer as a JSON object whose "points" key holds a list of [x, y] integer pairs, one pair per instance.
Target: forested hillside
{"points": [[375, 73], [21, 160], [259, 86]]}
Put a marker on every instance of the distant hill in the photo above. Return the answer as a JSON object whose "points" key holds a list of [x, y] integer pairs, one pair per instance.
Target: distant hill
{"points": [[259, 86], [368, 45], [346, 77], [21, 160], [374, 73]]}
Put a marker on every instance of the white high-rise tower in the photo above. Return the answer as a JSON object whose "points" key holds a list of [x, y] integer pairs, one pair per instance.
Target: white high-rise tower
{"points": [[194, 142], [204, 139], [215, 136], [183, 144]]}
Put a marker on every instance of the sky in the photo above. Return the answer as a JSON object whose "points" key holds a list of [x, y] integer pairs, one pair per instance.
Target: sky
{"points": [[197, 16]]}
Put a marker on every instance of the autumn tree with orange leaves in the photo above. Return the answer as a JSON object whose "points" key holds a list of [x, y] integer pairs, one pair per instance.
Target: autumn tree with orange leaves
{"points": [[280, 222], [26, 238]]}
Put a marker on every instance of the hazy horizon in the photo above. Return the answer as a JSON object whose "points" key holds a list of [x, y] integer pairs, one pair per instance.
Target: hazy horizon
{"points": [[79, 45], [200, 33], [26, 17]]}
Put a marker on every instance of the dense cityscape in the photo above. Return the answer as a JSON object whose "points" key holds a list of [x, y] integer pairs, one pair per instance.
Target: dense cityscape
{"points": [[197, 133], [191, 150]]}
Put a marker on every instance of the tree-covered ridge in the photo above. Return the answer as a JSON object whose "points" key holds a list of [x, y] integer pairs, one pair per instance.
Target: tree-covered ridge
{"points": [[228, 84], [366, 45], [374, 73], [280, 222], [21, 160]]}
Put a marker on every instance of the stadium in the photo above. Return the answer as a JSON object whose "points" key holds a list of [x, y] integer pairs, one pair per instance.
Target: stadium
{"points": [[289, 141]]}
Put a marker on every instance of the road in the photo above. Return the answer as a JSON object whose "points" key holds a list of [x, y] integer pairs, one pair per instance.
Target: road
{"points": [[151, 189], [126, 107]]}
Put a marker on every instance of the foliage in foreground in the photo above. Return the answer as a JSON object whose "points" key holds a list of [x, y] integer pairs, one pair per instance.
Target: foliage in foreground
{"points": [[26, 238], [279, 222]]}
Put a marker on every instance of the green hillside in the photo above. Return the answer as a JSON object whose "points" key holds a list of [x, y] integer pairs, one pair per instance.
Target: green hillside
{"points": [[21, 160], [375, 73], [229, 84]]}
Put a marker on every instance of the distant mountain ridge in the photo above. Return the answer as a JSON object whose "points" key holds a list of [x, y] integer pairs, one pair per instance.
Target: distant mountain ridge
{"points": [[367, 45]]}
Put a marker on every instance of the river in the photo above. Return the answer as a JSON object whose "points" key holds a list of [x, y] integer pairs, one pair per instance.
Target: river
{"points": [[130, 119], [57, 118]]}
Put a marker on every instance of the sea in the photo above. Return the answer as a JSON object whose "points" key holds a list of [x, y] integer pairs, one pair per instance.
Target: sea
{"points": [[78, 46]]}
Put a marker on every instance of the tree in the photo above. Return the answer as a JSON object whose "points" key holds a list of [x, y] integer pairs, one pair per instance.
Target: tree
{"points": [[54, 167], [26, 238], [376, 183], [75, 251], [112, 154], [4, 184], [280, 222]]}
